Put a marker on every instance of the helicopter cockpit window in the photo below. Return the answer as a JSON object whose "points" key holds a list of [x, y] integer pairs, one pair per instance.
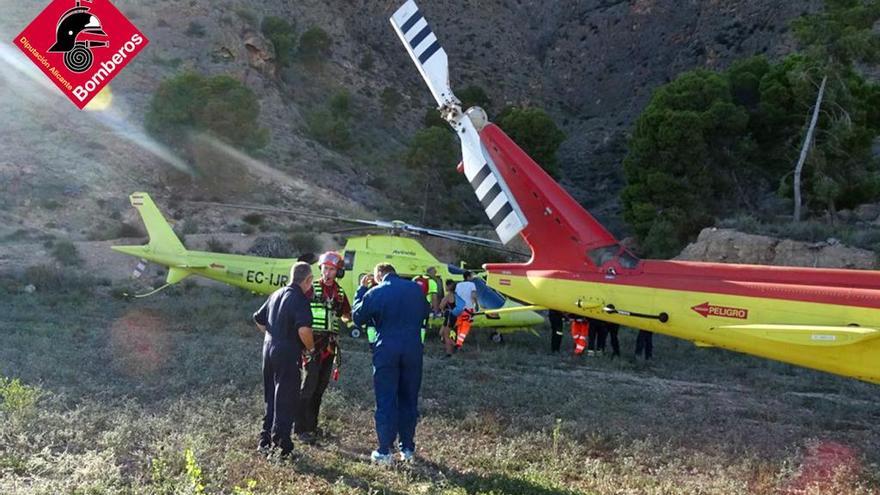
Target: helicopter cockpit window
{"points": [[628, 260], [348, 260], [602, 255]]}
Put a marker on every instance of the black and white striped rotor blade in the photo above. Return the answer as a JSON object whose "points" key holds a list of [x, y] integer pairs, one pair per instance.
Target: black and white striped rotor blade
{"points": [[424, 48], [488, 184]]}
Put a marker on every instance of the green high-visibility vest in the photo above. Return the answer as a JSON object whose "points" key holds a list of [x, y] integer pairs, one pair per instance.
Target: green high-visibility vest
{"points": [[325, 317], [432, 288]]}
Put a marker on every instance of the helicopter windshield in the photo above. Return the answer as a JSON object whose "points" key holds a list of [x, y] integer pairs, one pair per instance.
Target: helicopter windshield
{"points": [[455, 270], [486, 296], [602, 255]]}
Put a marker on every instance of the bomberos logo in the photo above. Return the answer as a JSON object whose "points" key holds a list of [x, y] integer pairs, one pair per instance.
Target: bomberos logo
{"points": [[81, 46]]}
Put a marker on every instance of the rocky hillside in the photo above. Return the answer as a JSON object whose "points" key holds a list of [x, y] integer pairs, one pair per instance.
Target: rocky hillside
{"points": [[591, 64], [730, 246]]}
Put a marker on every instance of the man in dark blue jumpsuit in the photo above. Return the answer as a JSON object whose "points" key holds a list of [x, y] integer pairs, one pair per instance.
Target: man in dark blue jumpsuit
{"points": [[396, 307], [286, 319]]}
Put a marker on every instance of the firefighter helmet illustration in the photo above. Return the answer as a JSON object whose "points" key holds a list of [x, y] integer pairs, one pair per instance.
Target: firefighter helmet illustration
{"points": [[75, 22]]}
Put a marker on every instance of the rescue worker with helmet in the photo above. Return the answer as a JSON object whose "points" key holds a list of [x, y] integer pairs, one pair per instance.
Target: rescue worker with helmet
{"points": [[331, 311]]}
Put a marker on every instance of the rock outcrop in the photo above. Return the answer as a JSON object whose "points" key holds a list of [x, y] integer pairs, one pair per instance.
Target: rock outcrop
{"points": [[731, 246]]}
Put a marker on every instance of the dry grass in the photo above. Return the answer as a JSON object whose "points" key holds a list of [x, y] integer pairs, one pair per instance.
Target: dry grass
{"points": [[163, 396]]}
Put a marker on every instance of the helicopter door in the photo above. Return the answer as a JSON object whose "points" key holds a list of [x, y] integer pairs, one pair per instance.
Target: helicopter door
{"points": [[348, 260]]}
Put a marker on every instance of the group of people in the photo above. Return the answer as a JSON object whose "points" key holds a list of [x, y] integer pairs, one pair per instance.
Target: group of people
{"points": [[301, 352], [302, 322], [456, 306], [590, 335]]}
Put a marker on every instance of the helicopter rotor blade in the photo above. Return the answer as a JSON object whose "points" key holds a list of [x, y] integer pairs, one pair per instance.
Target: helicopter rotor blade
{"points": [[395, 225], [493, 245], [432, 63], [270, 209]]}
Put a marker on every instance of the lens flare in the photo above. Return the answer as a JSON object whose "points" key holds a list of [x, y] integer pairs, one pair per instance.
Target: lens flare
{"points": [[101, 101], [32, 87], [139, 342]]}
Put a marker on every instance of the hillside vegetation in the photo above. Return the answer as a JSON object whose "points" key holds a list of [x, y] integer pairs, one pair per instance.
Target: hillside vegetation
{"points": [[712, 144]]}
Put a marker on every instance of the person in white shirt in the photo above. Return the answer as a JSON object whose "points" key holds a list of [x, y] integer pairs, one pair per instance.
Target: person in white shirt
{"points": [[465, 306]]}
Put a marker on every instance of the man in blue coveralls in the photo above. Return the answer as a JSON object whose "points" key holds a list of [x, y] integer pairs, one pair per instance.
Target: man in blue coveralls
{"points": [[286, 320], [396, 307]]}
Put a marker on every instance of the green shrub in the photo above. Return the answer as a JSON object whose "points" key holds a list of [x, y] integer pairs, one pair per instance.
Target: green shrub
{"points": [[304, 242], [165, 473], [329, 130], [217, 246], [248, 489], [433, 118], [63, 279], [253, 218], [367, 62], [50, 204], [270, 247], [195, 30], [194, 473], [536, 133], [219, 105], [65, 253], [434, 153], [189, 226], [17, 401], [340, 104], [314, 45], [247, 15], [474, 96], [390, 99], [126, 229], [281, 34]]}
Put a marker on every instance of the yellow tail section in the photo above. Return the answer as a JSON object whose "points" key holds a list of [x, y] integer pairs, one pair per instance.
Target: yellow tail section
{"points": [[164, 247], [162, 237]]}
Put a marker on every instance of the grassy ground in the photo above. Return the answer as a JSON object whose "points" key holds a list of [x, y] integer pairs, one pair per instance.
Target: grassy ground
{"points": [[163, 396]]}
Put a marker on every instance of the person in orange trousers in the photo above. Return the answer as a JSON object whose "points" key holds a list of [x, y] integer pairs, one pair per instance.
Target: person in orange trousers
{"points": [[580, 332], [463, 326], [466, 305]]}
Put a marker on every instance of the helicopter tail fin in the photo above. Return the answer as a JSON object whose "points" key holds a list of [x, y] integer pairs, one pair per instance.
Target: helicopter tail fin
{"points": [[515, 193], [162, 237], [557, 228]]}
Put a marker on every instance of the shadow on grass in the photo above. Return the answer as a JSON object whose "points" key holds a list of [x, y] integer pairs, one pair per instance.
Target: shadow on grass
{"points": [[494, 483], [424, 471]]}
